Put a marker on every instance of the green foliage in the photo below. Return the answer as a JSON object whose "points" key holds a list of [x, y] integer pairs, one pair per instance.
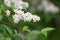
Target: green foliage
{"points": [[1, 36], [8, 29], [12, 6], [7, 38], [8, 33], [1, 17], [24, 7], [18, 36], [1, 2], [0, 11], [3, 8], [32, 34], [40, 35], [25, 28], [10, 20], [46, 30]]}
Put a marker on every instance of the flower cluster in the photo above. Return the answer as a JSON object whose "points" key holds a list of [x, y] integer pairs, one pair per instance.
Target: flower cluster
{"points": [[20, 15], [47, 6], [17, 3]]}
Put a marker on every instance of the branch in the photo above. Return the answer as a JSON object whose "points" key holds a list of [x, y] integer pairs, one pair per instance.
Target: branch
{"points": [[8, 24]]}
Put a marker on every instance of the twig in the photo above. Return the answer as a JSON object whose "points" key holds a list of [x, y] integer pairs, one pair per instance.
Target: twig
{"points": [[7, 24]]}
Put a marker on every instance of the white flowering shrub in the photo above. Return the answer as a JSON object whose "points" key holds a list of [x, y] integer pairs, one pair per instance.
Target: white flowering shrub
{"points": [[12, 13]]}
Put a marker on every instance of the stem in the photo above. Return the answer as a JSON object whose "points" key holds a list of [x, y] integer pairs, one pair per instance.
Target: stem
{"points": [[7, 24]]}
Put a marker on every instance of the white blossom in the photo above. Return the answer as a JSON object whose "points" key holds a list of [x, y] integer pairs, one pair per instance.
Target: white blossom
{"points": [[15, 10], [35, 18], [20, 7], [47, 6], [7, 2], [16, 20], [17, 3], [27, 16], [15, 16], [20, 12], [20, 15], [7, 13]]}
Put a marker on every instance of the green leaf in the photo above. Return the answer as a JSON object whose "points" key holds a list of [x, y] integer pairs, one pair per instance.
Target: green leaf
{"points": [[10, 20], [1, 17], [35, 32], [8, 29], [24, 7], [29, 37], [8, 38], [4, 8], [1, 2], [46, 30], [41, 37], [25, 28], [12, 5], [18, 36], [1, 29], [0, 11], [32, 34], [1, 36], [15, 31]]}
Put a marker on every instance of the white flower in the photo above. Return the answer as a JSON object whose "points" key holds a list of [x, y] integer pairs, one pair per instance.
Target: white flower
{"points": [[27, 17], [15, 10], [18, 15], [35, 18], [26, 4], [47, 6], [7, 13], [17, 3], [20, 7], [7, 2], [16, 20], [15, 16], [51, 8], [20, 12]]}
